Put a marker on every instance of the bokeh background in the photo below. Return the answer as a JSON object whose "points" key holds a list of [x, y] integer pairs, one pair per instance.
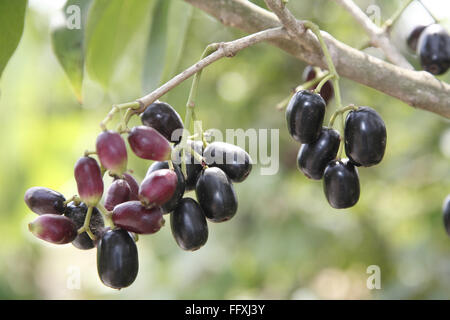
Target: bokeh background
{"points": [[285, 242]]}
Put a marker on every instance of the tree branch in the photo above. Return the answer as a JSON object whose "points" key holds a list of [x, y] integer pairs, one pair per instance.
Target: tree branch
{"points": [[224, 49], [416, 88], [378, 36]]}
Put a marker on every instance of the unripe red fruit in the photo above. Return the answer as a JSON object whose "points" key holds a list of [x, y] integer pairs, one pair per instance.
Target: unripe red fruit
{"points": [[147, 143], [119, 192], [44, 201], [89, 180], [134, 186], [54, 228], [158, 187], [134, 217], [112, 152]]}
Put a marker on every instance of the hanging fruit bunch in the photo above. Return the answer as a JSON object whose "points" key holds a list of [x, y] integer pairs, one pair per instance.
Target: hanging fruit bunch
{"points": [[130, 209]]}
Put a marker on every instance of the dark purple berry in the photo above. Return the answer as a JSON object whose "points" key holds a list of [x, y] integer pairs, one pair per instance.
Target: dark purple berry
{"points": [[446, 214], [162, 117], [433, 49], [89, 180], [44, 201], [216, 195], [188, 224], [234, 161], [112, 152], [172, 203], [134, 217], [118, 192], [77, 213], [365, 137], [53, 228], [117, 259], [314, 157], [147, 143], [341, 184], [326, 92], [413, 38], [304, 116]]}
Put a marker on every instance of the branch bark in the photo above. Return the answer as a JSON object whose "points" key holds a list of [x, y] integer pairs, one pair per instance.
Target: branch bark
{"points": [[416, 88]]}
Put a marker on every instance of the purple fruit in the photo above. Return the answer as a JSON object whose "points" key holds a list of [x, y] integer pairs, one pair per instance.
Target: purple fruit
{"points": [[165, 119], [134, 186], [89, 180], [147, 143], [134, 217], [118, 192], [158, 187], [54, 228], [326, 92], [44, 201], [112, 152]]}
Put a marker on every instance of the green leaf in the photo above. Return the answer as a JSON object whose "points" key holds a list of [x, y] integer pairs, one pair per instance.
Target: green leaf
{"points": [[110, 27], [166, 42], [68, 45], [156, 47], [12, 19]]}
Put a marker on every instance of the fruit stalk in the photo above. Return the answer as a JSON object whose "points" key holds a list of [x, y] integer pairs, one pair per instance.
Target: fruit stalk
{"points": [[86, 226], [107, 215]]}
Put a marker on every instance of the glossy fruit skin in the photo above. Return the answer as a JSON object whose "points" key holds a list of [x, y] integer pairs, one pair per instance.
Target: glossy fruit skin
{"points": [[117, 259], [134, 217], [433, 49], [365, 137], [341, 184], [216, 195], [189, 226], [413, 38], [326, 92], [112, 152], [133, 184], [446, 214], [304, 116], [53, 228], [89, 180], [193, 167], [158, 187], [313, 158], [77, 213], [172, 203], [117, 193], [234, 161], [163, 117], [147, 143], [43, 200]]}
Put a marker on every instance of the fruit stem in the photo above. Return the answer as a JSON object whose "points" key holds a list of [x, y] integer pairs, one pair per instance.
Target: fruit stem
{"points": [[86, 226], [391, 21], [322, 82], [170, 165], [74, 198], [106, 215], [116, 108]]}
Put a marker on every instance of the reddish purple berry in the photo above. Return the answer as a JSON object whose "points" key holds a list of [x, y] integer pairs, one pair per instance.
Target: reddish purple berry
{"points": [[133, 184], [112, 152], [158, 187], [45, 201], [89, 180], [54, 228], [118, 192], [147, 143], [134, 217]]}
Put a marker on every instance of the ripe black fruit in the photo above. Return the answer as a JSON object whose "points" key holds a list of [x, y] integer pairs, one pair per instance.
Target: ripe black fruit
{"points": [[188, 223], [365, 137], [304, 116], [446, 214], [172, 203], [216, 195], [77, 213], [234, 161], [433, 49], [193, 167], [117, 259], [326, 92], [162, 117], [341, 184], [313, 158], [413, 38], [44, 201]]}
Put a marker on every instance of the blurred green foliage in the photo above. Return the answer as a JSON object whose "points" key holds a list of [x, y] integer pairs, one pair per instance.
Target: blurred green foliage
{"points": [[285, 242]]}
